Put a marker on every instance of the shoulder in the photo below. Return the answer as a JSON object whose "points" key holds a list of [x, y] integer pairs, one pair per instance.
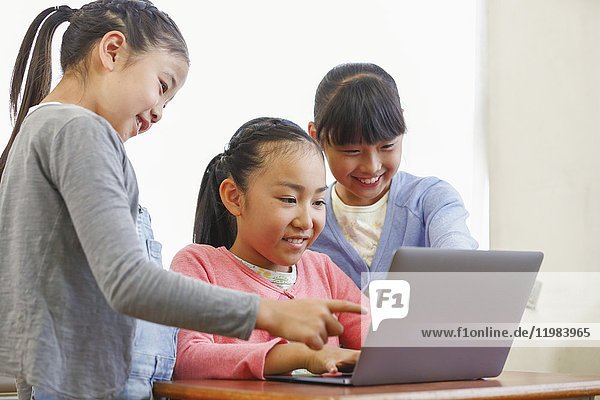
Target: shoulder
{"points": [[323, 269], [410, 190], [193, 257], [316, 265], [75, 124], [321, 264], [405, 183], [319, 260], [65, 114]]}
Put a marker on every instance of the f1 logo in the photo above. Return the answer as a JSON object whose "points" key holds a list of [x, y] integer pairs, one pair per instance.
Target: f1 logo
{"points": [[389, 299]]}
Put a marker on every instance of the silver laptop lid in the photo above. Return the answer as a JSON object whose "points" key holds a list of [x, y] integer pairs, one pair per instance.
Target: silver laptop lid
{"points": [[429, 293]]}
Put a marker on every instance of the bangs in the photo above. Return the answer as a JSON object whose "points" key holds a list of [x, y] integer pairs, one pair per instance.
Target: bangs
{"points": [[363, 109]]}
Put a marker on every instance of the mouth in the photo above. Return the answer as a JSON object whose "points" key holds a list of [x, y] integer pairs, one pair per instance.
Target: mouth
{"points": [[295, 240], [142, 125], [369, 181]]}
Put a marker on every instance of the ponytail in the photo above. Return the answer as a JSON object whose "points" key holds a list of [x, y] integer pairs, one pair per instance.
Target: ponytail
{"points": [[145, 27], [214, 224], [39, 75]]}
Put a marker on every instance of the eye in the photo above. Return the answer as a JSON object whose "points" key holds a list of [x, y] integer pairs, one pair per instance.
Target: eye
{"points": [[350, 151], [164, 87], [287, 200], [388, 146], [319, 203]]}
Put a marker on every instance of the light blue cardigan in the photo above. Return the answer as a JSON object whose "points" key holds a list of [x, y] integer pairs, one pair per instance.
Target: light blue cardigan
{"points": [[422, 212]]}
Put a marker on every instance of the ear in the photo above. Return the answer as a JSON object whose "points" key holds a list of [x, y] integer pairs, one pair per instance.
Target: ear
{"points": [[312, 131], [111, 49], [231, 196]]}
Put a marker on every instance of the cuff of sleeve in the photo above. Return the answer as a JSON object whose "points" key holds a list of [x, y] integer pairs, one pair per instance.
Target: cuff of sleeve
{"points": [[268, 346]]}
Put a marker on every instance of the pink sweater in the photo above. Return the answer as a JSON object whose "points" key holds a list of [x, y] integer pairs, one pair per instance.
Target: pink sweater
{"points": [[201, 355]]}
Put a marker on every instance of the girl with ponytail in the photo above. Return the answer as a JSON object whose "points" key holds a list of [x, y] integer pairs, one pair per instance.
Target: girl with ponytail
{"points": [[74, 273], [260, 206]]}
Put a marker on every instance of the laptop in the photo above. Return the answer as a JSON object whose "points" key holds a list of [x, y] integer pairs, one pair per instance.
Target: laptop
{"points": [[479, 295]]}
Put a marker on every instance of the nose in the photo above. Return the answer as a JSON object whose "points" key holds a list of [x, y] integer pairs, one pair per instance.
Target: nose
{"points": [[371, 162], [156, 113], [303, 219]]}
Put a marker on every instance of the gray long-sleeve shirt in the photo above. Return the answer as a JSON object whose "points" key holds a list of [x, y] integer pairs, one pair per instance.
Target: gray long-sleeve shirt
{"points": [[71, 266]]}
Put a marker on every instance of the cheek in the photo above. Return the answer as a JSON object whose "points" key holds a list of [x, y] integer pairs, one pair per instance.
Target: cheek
{"points": [[335, 160], [394, 161], [269, 222], [319, 222], [341, 166]]}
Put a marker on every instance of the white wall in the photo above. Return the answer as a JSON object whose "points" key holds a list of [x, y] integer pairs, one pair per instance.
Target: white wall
{"points": [[262, 57], [544, 136]]}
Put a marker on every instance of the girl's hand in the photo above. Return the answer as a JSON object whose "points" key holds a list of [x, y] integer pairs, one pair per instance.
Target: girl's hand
{"points": [[331, 359], [309, 321], [286, 357]]}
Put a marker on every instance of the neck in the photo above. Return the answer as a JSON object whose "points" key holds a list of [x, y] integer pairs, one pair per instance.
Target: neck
{"points": [[274, 268], [70, 90], [265, 264]]}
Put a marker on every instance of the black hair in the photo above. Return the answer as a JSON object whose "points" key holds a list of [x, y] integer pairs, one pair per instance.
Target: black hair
{"points": [[356, 103], [252, 146], [144, 26]]}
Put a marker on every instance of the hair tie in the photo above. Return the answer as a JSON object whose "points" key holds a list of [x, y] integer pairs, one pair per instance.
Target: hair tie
{"points": [[223, 158], [65, 9]]}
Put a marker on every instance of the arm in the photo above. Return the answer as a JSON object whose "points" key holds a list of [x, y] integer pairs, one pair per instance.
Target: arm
{"points": [[290, 356], [199, 356], [308, 321], [89, 168], [342, 287], [91, 171], [207, 356], [445, 218], [356, 326], [287, 357]]}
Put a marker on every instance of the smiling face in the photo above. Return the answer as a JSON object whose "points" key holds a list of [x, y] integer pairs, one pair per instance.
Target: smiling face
{"points": [[283, 210], [364, 172], [135, 94]]}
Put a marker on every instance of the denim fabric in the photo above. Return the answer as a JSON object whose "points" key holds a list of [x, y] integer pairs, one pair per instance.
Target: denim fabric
{"points": [[38, 394], [155, 346]]}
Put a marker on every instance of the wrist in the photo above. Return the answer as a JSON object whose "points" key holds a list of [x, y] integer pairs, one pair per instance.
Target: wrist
{"points": [[305, 355], [286, 357], [265, 315]]}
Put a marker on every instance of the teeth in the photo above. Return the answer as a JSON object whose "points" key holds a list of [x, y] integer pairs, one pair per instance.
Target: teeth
{"points": [[296, 241], [369, 181]]}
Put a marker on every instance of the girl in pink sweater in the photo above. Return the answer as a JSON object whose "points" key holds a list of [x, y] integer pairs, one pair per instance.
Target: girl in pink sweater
{"points": [[261, 205]]}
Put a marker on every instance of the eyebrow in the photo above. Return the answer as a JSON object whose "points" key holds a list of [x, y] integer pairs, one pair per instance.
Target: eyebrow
{"points": [[300, 188]]}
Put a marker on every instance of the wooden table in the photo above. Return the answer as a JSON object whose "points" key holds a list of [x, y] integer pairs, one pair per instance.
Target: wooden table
{"points": [[7, 387], [509, 385]]}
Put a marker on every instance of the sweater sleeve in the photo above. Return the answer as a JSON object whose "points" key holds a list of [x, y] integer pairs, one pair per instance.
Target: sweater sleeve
{"points": [[355, 325], [88, 165], [446, 218], [201, 355]]}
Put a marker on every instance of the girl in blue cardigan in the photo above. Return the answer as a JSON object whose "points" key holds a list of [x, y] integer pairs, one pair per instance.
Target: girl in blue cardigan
{"points": [[373, 208]]}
